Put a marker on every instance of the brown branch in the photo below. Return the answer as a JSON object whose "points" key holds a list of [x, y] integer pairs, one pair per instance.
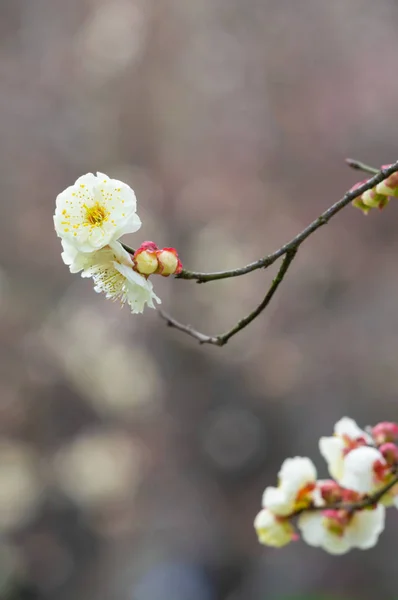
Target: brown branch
{"points": [[366, 502], [288, 250], [222, 339], [188, 329], [294, 243]]}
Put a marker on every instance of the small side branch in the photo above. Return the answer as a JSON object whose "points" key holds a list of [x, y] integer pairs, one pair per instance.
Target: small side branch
{"points": [[222, 339], [202, 338], [294, 243], [360, 166]]}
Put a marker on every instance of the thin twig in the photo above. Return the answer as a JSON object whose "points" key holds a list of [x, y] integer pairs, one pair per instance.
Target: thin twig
{"points": [[128, 249], [298, 239], [360, 166], [368, 501], [222, 339], [201, 337]]}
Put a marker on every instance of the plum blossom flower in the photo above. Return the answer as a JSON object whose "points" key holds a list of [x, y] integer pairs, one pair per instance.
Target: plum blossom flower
{"points": [[95, 211], [347, 436], [338, 531], [272, 530], [296, 483], [347, 429], [111, 269]]}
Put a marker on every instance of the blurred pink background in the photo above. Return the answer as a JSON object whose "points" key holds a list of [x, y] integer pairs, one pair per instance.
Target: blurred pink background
{"points": [[132, 460]]}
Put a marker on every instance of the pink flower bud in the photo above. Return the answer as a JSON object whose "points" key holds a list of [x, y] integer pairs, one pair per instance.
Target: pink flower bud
{"points": [[331, 492], [336, 521], [381, 470], [385, 431], [169, 263], [390, 453], [349, 496], [145, 259]]}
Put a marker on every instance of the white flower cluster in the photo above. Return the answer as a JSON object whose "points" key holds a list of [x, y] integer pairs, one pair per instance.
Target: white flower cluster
{"points": [[90, 217], [342, 513]]}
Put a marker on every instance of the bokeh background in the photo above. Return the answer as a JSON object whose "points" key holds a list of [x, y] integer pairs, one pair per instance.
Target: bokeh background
{"points": [[132, 460]]}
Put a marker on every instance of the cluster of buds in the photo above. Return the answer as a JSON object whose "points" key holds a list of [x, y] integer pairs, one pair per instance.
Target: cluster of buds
{"points": [[341, 513], [150, 260], [90, 217], [379, 196]]}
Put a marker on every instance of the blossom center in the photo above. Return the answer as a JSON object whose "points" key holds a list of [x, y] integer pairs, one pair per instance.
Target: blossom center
{"points": [[303, 498], [96, 214]]}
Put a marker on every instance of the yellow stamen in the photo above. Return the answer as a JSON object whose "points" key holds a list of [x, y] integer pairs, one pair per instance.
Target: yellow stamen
{"points": [[97, 214]]}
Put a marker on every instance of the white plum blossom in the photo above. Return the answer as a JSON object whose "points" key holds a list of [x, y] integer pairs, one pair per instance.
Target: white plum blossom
{"points": [[361, 470], [111, 269], [95, 211], [347, 436], [340, 532], [272, 530], [347, 429], [342, 513], [296, 482]]}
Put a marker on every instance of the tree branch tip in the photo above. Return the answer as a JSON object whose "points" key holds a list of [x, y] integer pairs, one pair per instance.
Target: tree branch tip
{"points": [[360, 166], [352, 163]]}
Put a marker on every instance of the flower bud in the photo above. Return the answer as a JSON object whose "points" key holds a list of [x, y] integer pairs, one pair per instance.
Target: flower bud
{"points": [[357, 203], [169, 263], [390, 453], [388, 187], [330, 491], [145, 259], [373, 198], [385, 431], [349, 496], [335, 521]]}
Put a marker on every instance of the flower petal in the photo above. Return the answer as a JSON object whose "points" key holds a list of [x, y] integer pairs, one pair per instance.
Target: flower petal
{"points": [[272, 531], [365, 527], [332, 449], [358, 469]]}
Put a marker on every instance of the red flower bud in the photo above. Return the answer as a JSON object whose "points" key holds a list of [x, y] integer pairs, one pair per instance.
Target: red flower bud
{"points": [[390, 453], [145, 259], [331, 492], [169, 263], [385, 432]]}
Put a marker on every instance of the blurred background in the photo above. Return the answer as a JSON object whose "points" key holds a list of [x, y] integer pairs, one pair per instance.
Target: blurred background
{"points": [[132, 460]]}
